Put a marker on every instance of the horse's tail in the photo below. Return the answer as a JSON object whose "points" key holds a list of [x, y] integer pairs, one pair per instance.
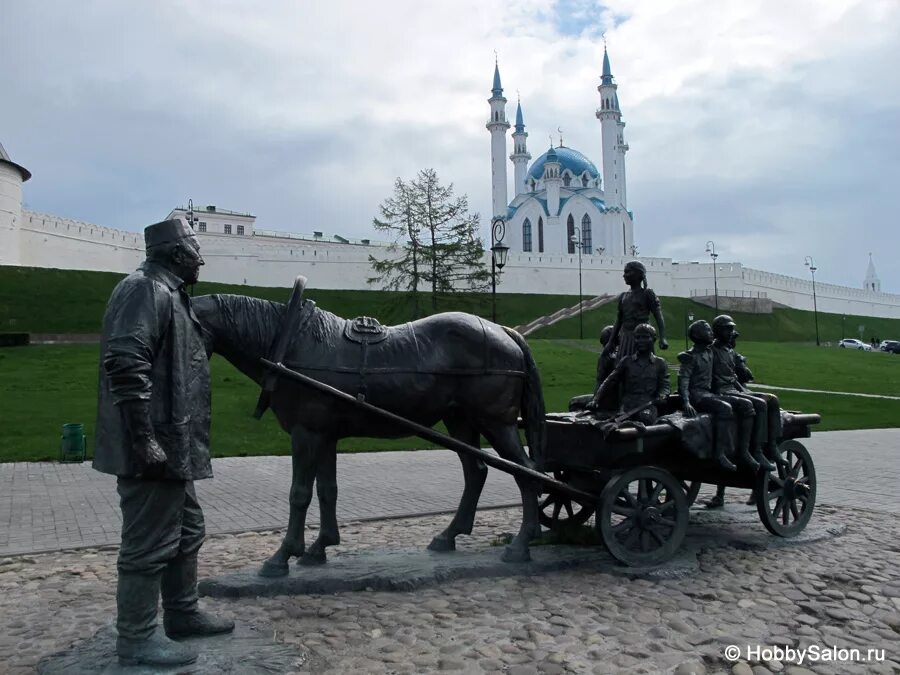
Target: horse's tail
{"points": [[532, 405]]}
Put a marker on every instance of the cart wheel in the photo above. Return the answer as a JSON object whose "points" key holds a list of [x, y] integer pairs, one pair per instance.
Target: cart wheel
{"points": [[789, 492], [643, 516], [558, 512], [691, 490]]}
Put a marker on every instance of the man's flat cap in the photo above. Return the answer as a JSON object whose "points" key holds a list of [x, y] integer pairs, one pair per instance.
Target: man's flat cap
{"points": [[166, 232]]}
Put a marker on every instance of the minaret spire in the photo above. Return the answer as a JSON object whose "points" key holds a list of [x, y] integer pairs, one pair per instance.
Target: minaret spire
{"points": [[520, 155], [872, 282]]}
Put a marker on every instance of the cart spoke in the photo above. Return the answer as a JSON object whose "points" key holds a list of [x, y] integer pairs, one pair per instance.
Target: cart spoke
{"points": [[776, 493], [654, 496], [668, 522], [623, 527], [557, 507], [632, 538], [794, 510], [622, 510], [642, 489], [795, 470], [568, 505], [777, 480], [547, 501], [645, 540], [658, 537], [629, 498], [784, 512], [778, 505]]}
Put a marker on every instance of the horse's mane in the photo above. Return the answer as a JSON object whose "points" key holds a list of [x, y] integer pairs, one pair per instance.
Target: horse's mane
{"points": [[259, 320]]}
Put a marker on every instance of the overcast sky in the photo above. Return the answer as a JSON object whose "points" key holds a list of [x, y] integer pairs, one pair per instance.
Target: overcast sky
{"points": [[771, 127]]}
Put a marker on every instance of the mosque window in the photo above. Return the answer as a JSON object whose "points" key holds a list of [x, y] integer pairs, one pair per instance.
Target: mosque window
{"points": [[201, 227], [240, 229], [587, 239], [526, 236], [584, 180], [540, 235], [567, 179], [227, 228], [570, 233]]}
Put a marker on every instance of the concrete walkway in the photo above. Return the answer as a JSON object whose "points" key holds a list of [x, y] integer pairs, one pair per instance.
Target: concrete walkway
{"points": [[46, 506]]}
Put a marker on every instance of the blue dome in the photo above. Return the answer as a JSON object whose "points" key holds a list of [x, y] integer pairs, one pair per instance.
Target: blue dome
{"points": [[568, 158]]}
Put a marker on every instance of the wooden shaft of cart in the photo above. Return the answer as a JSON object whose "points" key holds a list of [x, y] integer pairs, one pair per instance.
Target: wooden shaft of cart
{"points": [[437, 437]]}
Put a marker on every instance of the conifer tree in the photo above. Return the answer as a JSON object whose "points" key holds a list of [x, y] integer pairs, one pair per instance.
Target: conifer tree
{"points": [[436, 238]]}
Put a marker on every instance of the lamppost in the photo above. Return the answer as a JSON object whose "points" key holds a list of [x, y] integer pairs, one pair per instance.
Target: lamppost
{"points": [[688, 318], [843, 319], [808, 261], [576, 239], [499, 250], [711, 249]]}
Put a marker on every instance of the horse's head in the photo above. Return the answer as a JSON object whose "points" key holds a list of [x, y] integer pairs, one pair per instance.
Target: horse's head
{"points": [[240, 328]]}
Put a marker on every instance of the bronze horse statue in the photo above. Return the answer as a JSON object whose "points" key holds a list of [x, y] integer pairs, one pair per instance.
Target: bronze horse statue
{"points": [[475, 376]]}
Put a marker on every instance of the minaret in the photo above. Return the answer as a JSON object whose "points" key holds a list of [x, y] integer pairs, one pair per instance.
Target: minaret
{"points": [[614, 146], [872, 282], [498, 126], [12, 176], [551, 182], [520, 155]]}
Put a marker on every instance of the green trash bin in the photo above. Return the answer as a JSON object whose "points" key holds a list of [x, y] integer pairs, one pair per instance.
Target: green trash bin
{"points": [[73, 443]]}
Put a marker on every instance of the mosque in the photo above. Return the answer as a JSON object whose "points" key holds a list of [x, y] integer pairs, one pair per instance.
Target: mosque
{"points": [[561, 199], [568, 228]]}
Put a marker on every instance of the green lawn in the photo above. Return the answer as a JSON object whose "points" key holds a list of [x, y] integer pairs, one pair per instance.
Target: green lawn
{"points": [[43, 387], [70, 301]]}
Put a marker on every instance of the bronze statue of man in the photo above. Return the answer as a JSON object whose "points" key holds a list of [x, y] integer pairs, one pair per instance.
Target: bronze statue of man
{"points": [[153, 417]]}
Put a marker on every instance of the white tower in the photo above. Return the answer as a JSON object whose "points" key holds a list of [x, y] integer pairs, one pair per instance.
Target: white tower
{"points": [[551, 182], [614, 146], [872, 282], [520, 155], [498, 126], [12, 176]]}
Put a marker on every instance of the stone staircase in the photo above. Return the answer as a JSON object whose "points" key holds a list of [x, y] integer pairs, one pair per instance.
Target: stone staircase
{"points": [[565, 313]]}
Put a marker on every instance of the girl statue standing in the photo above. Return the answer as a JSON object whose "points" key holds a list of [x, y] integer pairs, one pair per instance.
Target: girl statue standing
{"points": [[635, 307]]}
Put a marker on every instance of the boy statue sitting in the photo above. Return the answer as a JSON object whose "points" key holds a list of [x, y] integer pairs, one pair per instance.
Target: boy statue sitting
{"points": [[642, 378]]}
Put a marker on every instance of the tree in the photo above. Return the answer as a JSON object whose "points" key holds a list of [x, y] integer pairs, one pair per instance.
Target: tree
{"points": [[437, 239]]}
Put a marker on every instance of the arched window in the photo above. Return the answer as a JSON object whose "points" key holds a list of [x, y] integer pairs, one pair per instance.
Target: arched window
{"points": [[540, 234], [526, 236], [587, 238], [584, 180], [570, 233], [567, 179]]}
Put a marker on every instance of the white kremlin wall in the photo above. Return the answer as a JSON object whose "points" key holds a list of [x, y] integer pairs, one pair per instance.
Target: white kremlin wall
{"points": [[265, 258]]}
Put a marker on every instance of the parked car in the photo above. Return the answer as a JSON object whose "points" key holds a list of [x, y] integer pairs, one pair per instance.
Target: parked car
{"points": [[892, 346], [853, 343]]}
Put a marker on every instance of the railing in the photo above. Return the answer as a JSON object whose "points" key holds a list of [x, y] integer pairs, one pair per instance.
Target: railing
{"points": [[726, 293]]}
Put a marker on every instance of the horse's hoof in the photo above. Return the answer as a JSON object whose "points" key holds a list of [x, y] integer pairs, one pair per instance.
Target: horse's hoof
{"points": [[515, 555], [312, 559], [271, 570], [442, 544]]}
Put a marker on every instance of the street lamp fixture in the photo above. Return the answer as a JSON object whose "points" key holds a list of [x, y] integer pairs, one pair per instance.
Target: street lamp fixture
{"points": [[499, 251], [711, 249], [808, 261], [579, 243]]}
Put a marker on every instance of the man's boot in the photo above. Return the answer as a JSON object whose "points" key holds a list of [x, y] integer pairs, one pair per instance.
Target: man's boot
{"points": [[139, 643], [183, 617], [724, 443]]}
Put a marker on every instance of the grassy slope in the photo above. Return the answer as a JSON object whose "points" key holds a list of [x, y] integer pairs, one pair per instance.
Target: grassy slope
{"points": [[45, 386], [67, 301]]}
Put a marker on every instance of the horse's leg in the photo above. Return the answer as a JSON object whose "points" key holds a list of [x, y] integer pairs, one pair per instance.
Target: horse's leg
{"points": [[303, 460], [475, 473], [505, 440], [326, 488]]}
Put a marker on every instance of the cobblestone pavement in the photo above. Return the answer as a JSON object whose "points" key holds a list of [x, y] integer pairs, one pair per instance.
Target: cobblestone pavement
{"points": [[842, 593], [46, 506]]}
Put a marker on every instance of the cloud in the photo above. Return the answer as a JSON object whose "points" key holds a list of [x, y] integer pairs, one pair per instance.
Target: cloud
{"points": [[769, 127]]}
